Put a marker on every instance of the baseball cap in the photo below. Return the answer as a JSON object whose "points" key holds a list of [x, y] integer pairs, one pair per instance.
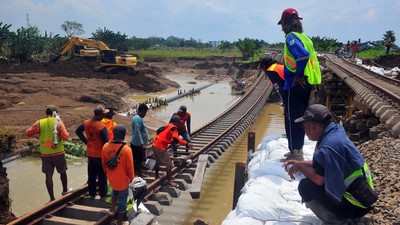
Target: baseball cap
{"points": [[316, 113], [98, 110], [289, 13], [182, 109], [52, 108]]}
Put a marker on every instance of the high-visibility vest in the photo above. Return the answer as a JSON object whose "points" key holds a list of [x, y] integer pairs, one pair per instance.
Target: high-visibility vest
{"points": [[312, 70], [47, 137], [351, 178], [278, 68]]}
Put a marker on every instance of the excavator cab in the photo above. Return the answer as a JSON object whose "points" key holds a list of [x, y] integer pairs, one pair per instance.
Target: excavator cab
{"points": [[109, 56], [112, 63]]}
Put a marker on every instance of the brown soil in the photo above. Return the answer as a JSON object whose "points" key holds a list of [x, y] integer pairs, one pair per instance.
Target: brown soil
{"points": [[75, 87]]}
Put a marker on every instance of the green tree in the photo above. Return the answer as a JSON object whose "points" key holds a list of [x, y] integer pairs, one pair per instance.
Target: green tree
{"points": [[24, 43], [5, 34], [174, 42], [325, 44], [72, 28], [225, 46], [139, 43], [113, 40], [248, 47], [389, 34]]}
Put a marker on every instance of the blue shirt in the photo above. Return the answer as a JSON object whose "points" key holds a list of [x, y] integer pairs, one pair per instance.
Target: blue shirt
{"points": [[139, 131], [301, 55], [339, 158]]}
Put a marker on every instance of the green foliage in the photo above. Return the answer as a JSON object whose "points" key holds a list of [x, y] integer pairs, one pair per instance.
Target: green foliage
{"points": [[171, 53], [113, 40], [72, 28], [25, 43], [389, 34], [226, 46], [325, 44], [372, 53], [5, 35], [139, 43], [248, 47], [74, 148]]}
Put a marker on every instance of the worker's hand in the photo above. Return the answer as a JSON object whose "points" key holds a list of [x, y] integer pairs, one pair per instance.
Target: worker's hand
{"points": [[300, 81], [190, 145]]}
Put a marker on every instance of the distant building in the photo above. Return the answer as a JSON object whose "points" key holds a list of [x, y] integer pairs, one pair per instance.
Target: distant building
{"points": [[214, 44]]}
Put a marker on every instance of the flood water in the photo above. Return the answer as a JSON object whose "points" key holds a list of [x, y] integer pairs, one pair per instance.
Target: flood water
{"points": [[28, 190], [216, 197]]}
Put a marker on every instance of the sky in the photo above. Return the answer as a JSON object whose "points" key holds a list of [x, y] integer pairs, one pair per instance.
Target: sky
{"points": [[209, 20]]}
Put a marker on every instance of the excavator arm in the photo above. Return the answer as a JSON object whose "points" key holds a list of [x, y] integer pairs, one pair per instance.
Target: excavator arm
{"points": [[76, 41]]}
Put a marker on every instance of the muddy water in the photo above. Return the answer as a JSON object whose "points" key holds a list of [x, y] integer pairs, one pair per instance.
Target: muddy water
{"points": [[217, 191], [28, 190], [27, 186]]}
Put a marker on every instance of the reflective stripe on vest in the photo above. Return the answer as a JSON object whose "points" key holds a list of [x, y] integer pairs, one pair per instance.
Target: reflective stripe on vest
{"points": [[312, 70], [47, 137], [278, 68], [351, 178]]}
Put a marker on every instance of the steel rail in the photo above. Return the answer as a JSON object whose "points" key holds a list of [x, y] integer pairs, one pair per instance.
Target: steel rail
{"points": [[241, 113]]}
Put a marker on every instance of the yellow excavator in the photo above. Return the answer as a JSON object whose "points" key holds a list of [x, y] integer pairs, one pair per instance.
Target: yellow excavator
{"points": [[91, 50]]}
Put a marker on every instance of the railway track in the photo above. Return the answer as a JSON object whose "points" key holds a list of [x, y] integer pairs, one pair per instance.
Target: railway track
{"points": [[210, 140], [374, 93]]}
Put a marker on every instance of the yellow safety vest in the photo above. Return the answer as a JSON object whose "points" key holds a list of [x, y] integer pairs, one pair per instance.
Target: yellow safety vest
{"points": [[47, 137], [351, 178], [312, 70]]}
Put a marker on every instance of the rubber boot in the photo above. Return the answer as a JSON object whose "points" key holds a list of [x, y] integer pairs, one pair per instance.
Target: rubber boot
{"points": [[324, 214]]}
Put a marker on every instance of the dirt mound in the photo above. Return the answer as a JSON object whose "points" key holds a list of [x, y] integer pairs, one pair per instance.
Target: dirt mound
{"points": [[389, 61]]}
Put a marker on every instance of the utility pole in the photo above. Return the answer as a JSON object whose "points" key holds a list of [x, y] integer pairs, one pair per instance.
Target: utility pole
{"points": [[27, 20]]}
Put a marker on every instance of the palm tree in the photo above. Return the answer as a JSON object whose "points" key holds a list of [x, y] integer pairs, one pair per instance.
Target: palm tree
{"points": [[4, 35], [389, 34], [248, 47], [24, 43]]}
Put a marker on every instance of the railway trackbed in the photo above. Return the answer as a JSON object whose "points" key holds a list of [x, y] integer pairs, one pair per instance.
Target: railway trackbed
{"points": [[210, 141]]}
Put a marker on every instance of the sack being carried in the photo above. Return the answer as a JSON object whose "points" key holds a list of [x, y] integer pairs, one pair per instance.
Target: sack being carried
{"points": [[113, 161]]}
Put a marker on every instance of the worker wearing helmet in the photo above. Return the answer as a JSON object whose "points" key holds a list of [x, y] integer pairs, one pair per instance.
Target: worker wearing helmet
{"points": [[183, 126]]}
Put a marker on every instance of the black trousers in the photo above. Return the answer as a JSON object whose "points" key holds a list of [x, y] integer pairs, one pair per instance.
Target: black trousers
{"points": [[308, 191]]}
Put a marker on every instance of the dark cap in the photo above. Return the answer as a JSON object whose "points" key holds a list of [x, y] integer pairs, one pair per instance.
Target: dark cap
{"points": [[110, 112], [50, 109], [316, 113], [175, 119], [289, 13], [182, 109], [119, 133], [98, 110]]}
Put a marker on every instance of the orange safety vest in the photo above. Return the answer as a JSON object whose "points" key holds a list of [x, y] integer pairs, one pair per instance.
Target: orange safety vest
{"points": [[93, 135], [278, 68], [110, 127], [167, 137]]}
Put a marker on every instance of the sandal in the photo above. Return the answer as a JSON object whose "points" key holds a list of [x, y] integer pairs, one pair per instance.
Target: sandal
{"points": [[68, 191], [172, 184]]}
